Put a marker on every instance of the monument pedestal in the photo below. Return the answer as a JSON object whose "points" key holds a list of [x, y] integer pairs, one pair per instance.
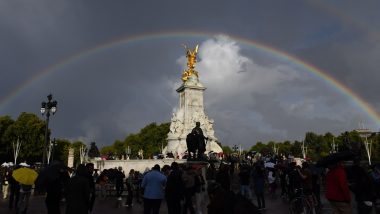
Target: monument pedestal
{"points": [[191, 110]]}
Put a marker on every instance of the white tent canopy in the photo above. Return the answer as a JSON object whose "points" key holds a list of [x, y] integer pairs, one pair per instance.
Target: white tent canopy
{"points": [[24, 164], [5, 164]]}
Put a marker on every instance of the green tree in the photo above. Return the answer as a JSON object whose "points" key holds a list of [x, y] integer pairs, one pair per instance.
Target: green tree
{"points": [[76, 146], [119, 148], [285, 148], [226, 150], [134, 142], [260, 147], [31, 131], [61, 150], [150, 139], [296, 149], [106, 150], [6, 153]]}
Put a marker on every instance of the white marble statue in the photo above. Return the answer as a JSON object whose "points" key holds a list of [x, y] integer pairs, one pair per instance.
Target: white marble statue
{"points": [[190, 111]]}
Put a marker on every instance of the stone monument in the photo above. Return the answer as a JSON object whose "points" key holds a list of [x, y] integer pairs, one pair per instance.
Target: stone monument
{"points": [[190, 111]]}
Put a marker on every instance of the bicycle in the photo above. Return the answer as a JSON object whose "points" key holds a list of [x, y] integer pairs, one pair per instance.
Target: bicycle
{"points": [[300, 203]]}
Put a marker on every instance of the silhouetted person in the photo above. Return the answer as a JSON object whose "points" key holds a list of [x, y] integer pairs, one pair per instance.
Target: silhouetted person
{"points": [[259, 185], [363, 189], [200, 138], [130, 187], [90, 178], [174, 190], [78, 192], [119, 182], [56, 179], [14, 191]]}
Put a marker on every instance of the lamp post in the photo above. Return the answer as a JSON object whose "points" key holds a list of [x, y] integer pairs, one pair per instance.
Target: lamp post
{"points": [[46, 109], [53, 144], [235, 148], [50, 151]]}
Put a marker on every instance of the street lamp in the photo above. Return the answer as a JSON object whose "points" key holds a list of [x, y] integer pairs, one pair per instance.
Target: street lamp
{"points": [[235, 148], [46, 109], [53, 144]]}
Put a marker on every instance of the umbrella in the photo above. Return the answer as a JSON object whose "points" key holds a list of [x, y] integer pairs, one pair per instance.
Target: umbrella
{"points": [[25, 176], [335, 158], [24, 164]]}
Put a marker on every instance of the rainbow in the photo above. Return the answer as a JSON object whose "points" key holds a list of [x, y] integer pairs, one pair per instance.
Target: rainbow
{"points": [[318, 73]]}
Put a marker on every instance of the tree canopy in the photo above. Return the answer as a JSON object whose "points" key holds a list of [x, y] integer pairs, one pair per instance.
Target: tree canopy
{"points": [[29, 129], [318, 146], [151, 139]]}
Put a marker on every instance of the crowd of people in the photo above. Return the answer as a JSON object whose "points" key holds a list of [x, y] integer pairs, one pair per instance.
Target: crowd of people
{"points": [[200, 187]]}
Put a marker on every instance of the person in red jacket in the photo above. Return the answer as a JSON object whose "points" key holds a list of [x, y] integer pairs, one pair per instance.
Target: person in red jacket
{"points": [[337, 191]]}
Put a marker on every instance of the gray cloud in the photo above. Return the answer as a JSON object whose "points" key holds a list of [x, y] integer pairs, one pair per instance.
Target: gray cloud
{"points": [[252, 96]]}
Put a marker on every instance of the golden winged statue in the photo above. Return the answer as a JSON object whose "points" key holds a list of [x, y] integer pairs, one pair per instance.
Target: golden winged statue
{"points": [[191, 60]]}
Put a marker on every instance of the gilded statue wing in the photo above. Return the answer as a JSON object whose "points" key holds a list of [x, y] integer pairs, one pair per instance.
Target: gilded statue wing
{"points": [[187, 49]]}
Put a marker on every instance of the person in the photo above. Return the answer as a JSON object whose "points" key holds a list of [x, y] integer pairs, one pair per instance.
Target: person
{"points": [[14, 193], [174, 189], [119, 182], [201, 140], [137, 186], [189, 182], [199, 189], [56, 180], [283, 175], [192, 145], [223, 178], [363, 188], [272, 183], [244, 176], [4, 181], [221, 201], [258, 185], [130, 187], [90, 178], [211, 173], [22, 206], [78, 192], [307, 183], [337, 191], [294, 180], [316, 181], [102, 182], [153, 184]]}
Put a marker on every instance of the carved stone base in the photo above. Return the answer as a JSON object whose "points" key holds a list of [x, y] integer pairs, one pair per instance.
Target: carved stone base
{"points": [[191, 110]]}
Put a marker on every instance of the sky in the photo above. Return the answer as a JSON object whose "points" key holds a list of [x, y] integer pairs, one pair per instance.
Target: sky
{"points": [[114, 66]]}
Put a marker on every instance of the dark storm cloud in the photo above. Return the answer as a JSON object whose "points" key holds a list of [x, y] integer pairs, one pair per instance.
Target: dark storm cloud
{"points": [[106, 95]]}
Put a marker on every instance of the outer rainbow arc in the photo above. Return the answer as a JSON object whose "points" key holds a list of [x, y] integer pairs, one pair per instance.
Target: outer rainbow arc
{"points": [[360, 102]]}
